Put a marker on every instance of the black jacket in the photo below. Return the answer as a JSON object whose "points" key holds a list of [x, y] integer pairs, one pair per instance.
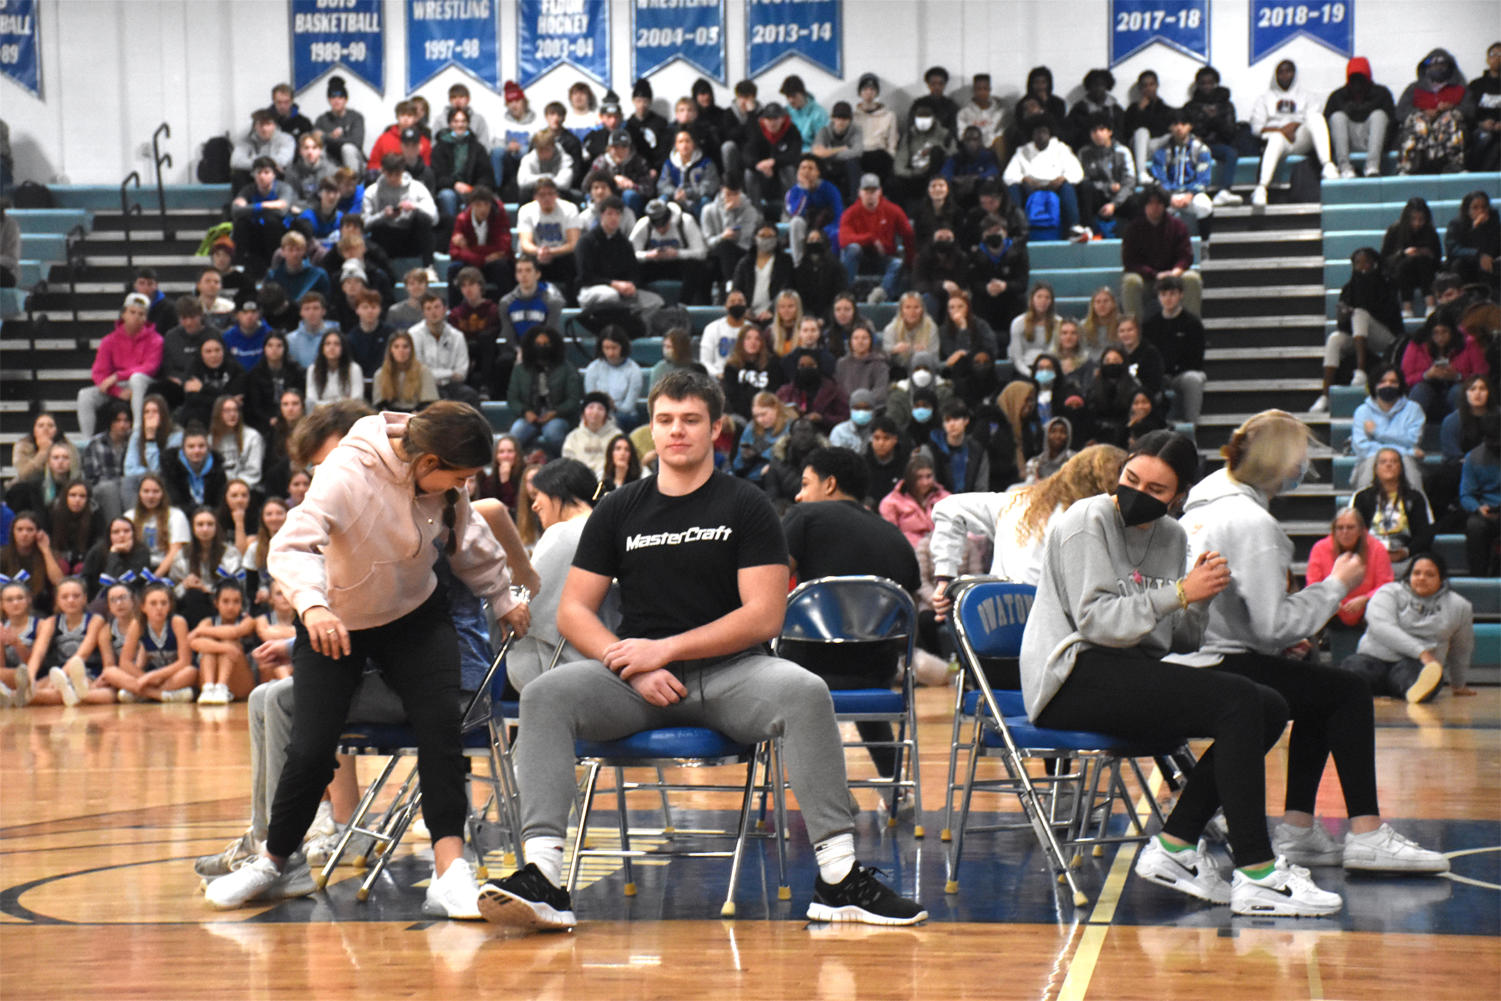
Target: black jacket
{"points": [[603, 259], [176, 477], [1213, 116], [782, 275], [476, 170]]}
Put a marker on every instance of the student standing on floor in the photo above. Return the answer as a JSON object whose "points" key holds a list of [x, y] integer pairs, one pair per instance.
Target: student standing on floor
{"points": [[702, 567]]}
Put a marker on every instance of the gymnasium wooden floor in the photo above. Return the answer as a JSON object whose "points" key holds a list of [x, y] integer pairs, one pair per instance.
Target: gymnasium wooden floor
{"points": [[102, 810]]}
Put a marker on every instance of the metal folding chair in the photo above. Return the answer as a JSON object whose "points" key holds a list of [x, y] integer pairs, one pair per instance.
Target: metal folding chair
{"points": [[875, 614], [483, 727], [988, 618], [677, 747]]}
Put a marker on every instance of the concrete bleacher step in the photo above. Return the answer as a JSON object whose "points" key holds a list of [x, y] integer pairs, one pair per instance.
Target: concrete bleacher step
{"points": [[1254, 395], [1260, 363], [1264, 300], [1260, 271], [1265, 331], [1396, 188], [1237, 245], [35, 222], [106, 197]]}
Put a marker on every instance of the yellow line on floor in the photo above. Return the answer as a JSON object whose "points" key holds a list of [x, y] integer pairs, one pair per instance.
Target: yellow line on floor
{"points": [[1315, 981], [1097, 925]]}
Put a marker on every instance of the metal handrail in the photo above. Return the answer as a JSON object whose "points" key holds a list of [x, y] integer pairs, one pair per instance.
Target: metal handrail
{"points": [[128, 209], [76, 263], [159, 159]]}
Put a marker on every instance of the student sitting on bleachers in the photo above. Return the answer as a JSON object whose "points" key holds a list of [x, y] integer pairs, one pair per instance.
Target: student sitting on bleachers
{"points": [[1417, 631], [1462, 431], [482, 239], [1396, 511], [334, 375], [260, 215], [1480, 497], [615, 373], [1359, 112], [460, 162], [548, 230], [545, 391], [1432, 137], [307, 172], [1387, 418], [264, 141], [1044, 167], [127, 361], [443, 350], [478, 319], [1156, 245], [1109, 178], [1473, 241], [669, 245], [400, 213], [1436, 361], [1367, 322], [1348, 534], [1178, 335], [1288, 119], [1411, 253], [342, 130]]}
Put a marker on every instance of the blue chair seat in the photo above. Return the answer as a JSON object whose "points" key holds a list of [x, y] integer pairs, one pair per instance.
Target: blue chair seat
{"points": [[380, 738], [666, 742], [1012, 703], [1041, 738], [868, 700]]}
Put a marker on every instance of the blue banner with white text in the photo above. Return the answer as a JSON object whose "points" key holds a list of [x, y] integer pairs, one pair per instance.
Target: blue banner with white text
{"points": [[329, 33], [20, 51], [777, 29], [550, 33], [690, 30], [1179, 24], [1273, 25], [443, 33]]}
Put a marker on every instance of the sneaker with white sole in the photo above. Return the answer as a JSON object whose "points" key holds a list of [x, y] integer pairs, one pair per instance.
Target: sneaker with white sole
{"points": [[862, 898], [24, 687], [223, 863], [1346, 172], [1427, 682], [1331, 172], [178, 695], [1306, 845], [1228, 199], [454, 894], [206, 695], [877, 294], [64, 686], [1189, 871], [1320, 405], [1384, 850], [126, 696], [1358, 378], [527, 899], [1372, 169], [1258, 197], [7, 696], [1286, 891], [77, 674], [259, 881]]}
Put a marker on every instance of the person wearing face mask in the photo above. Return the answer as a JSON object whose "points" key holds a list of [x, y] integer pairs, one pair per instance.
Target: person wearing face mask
{"points": [[718, 338], [1107, 402], [854, 433], [1431, 113], [1419, 631], [999, 268], [1259, 632], [1359, 112], [1387, 419], [1113, 602], [816, 396], [819, 276], [764, 274], [901, 398], [924, 145], [940, 273]]}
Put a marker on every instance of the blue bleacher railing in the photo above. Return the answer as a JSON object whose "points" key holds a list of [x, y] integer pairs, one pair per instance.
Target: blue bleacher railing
{"points": [[127, 210], [160, 160]]}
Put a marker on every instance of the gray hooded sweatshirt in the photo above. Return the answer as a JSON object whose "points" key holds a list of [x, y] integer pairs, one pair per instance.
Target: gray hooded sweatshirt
{"points": [[1255, 613], [1104, 585], [1399, 625]]}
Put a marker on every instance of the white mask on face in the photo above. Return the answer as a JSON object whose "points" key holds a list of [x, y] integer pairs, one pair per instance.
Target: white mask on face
{"points": [[922, 123], [922, 377]]}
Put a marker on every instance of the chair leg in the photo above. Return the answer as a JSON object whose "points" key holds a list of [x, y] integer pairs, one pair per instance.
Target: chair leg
{"points": [[727, 909], [956, 847], [947, 832], [914, 775], [779, 815], [402, 820], [1043, 829], [356, 821], [586, 803], [625, 826], [667, 825]]}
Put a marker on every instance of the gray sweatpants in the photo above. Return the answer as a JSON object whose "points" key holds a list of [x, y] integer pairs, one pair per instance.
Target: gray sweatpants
{"points": [[747, 698]]}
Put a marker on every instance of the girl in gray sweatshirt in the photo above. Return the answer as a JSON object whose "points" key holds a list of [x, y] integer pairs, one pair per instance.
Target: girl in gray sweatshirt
{"points": [[1112, 602], [1417, 630], [1256, 623]]}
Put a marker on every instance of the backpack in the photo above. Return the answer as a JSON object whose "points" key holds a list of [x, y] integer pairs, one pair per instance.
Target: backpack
{"points": [[669, 318], [1044, 211], [31, 195], [213, 166]]}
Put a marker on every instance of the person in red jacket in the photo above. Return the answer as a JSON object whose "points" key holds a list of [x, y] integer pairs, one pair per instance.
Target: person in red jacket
{"points": [[482, 239], [126, 363], [877, 231], [390, 140], [1348, 534]]}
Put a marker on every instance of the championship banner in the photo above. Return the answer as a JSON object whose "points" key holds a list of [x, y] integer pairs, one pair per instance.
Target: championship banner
{"points": [[550, 33], [1179, 24], [443, 33], [776, 29], [690, 30], [20, 51], [1273, 25], [329, 33]]}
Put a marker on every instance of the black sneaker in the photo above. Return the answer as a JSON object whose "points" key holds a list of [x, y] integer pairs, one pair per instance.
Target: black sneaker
{"points": [[863, 898], [527, 899]]}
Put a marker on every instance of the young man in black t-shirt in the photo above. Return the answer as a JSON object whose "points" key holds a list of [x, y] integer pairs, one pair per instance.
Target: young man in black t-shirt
{"points": [[702, 570]]}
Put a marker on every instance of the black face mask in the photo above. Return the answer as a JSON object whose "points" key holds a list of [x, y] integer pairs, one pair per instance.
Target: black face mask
{"points": [[737, 310], [995, 241], [1138, 508], [1388, 394], [1112, 371]]}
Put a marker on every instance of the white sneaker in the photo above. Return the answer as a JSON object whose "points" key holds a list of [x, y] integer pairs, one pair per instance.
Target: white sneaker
{"points": [[205, 695], [1320, 405], [323, 821], [23, 687], [1372, 169], [1258, 197], [877, 294], [320, 847], [1331, 172], [7, 696], [1384, 850], [178, 695], [1358, 378], [260, 880], [1429, 678], [1189, 871], [240, 851], [1306, 845], [453, 895], [1286, 891], [1346, 172], [76, 673], [64, 686], [1144, 177], [125, 695], [1228, 199]]}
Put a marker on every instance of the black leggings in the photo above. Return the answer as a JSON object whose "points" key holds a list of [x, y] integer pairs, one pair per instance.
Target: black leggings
{"points": [[1129, 694], [418, 656], [1331, 712]]}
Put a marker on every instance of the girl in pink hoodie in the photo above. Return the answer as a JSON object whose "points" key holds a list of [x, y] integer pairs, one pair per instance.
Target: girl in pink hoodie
{"points": [[356, 558]]}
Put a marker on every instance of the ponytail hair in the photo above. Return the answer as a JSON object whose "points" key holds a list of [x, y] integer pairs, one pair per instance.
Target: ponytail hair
{"points": [[459, 437], [1258, 451]]}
